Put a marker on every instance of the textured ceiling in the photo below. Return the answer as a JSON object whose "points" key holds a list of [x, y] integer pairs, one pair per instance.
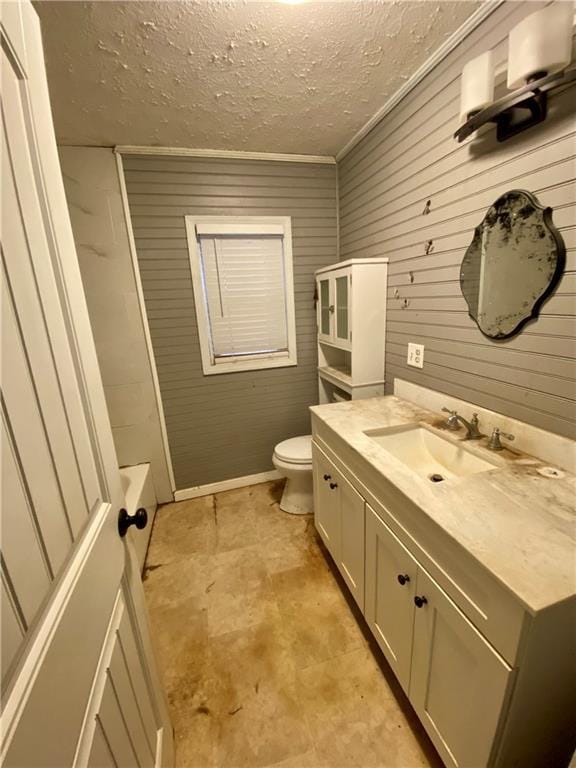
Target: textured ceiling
{"points": [[259, 76]]}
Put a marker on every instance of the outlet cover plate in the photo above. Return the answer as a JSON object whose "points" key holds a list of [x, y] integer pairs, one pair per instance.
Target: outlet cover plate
{"points": [[416, 355]]}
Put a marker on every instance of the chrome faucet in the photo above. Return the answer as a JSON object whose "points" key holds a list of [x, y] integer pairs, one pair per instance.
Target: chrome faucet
{"points": [[454, 420]]}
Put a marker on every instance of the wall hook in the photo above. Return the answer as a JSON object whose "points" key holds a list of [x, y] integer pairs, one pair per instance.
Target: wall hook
{"points": [[411, 276], [429, 247], [426, 210]]}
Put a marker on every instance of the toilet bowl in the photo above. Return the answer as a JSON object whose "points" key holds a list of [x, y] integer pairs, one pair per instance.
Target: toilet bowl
{"points": [[293, 459]]}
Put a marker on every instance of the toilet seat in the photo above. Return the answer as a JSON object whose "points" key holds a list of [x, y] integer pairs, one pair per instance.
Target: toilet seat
{"points": [[296, 450]]}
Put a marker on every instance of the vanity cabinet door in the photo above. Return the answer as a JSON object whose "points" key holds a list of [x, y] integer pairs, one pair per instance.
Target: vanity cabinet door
{"points": [[326, 501], [390, 588], [458, 682], [351, 561]]}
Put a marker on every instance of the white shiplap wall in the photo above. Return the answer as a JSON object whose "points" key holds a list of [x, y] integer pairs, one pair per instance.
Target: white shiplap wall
{"points": [[409, 158]]}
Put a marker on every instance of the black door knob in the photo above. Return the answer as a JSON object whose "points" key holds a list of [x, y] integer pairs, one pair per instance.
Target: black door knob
{"points": [[403, 578], [333, 485], [420, 601], [327, 477], [139, 519]]}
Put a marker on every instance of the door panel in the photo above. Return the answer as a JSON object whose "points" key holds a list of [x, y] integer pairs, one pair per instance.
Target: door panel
{"points": [[63, 562], [459, 682], [389, 606], [326, 502], [28, 577], [12, 628], [352, 539]]}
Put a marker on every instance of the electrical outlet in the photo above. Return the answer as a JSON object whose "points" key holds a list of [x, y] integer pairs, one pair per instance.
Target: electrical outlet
{"points": [[416, 355]]}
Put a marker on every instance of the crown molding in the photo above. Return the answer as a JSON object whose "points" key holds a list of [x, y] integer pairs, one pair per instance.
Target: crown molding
{"points": [[225, 154], [473, 21]]}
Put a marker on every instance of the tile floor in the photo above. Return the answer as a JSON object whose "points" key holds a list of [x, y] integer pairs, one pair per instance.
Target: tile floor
{"points": [[265, 659]]}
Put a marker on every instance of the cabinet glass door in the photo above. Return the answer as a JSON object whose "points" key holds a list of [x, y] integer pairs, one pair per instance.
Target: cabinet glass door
{"points": [[342, 319], [325, 307]]}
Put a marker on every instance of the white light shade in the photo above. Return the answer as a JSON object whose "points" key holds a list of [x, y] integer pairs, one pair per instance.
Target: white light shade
{"points": [[541, 43], [477, 85]]}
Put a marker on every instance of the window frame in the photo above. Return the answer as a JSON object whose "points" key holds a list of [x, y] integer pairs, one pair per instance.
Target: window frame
{"points": [[246, 225]]}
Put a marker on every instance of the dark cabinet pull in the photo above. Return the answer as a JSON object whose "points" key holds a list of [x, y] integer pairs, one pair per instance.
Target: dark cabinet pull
{"points": [[139, 519], [327, 477], [420, 601], [403, 578], [333, 485]]}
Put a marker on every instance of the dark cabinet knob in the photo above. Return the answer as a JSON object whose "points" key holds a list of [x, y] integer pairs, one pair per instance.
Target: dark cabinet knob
{"points": [[139, 519], [333, 485], [327, 477], [420, 601], [403, 578]]}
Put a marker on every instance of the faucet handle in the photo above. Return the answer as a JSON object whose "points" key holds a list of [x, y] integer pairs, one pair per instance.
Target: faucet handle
{"points": [[452, 420], [494, 443]]}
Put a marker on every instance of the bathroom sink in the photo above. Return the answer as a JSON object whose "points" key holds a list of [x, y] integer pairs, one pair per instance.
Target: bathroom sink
{"points": [[431, 456]]}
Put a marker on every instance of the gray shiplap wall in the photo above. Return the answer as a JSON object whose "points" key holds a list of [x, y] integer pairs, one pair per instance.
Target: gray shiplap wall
{"points": [[409, 158], [226, 426]]}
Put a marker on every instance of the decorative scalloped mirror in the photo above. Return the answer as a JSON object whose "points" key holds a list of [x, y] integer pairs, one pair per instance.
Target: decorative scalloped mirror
{"points": [[512, 265]]}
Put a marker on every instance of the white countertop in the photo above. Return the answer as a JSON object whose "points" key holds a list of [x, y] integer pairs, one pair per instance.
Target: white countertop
{"points": [[519, 525]]}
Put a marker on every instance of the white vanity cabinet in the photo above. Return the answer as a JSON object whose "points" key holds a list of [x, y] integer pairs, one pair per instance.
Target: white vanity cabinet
{"points": [[475, 664], [339, 519]]}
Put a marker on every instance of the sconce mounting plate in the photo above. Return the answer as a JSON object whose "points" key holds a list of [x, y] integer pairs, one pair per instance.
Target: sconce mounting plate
{"points": [[513, 113]]}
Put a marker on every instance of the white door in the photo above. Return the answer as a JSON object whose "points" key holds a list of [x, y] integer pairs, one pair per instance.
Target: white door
{"points": [[390, 587], [459, 682], [79, 684]]}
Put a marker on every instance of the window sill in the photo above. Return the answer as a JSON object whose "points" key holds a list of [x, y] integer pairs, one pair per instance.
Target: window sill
{"points": [[261, 364]]}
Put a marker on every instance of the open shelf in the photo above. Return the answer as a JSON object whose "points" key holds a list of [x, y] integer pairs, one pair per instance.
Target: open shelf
{"points": [[337, 376]]}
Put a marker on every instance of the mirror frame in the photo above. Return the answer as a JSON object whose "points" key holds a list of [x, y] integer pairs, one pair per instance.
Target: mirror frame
{"points": [[546, 213]]}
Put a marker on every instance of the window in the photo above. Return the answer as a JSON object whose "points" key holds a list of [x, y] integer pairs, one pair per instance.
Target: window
{"points": [[243, 290]]}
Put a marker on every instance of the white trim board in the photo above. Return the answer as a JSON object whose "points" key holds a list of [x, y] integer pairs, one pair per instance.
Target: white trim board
{"points": [[144, 317], [439, 54], [225, 154], [226, 485]]}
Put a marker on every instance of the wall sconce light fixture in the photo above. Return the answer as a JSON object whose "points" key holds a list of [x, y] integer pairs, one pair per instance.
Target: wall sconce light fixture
{"points": [[540, 50]]}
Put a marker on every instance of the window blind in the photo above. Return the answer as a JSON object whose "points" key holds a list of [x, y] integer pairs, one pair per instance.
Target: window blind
{"points": [[245, 293]]}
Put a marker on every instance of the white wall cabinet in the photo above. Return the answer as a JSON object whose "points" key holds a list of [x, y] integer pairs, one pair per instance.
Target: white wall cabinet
{"points": [[351, 321], [339, 518], [475, 671]]}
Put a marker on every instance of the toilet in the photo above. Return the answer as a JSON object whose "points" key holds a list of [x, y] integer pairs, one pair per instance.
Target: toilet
{"points": [[293, 459]]}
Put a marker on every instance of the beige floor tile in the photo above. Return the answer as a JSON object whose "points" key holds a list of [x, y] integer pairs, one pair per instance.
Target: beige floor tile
{"points": [[182, 529], [266, 663]]}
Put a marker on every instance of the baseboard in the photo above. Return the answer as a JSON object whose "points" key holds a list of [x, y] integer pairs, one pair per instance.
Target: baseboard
{"points": [[226, 485]]}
